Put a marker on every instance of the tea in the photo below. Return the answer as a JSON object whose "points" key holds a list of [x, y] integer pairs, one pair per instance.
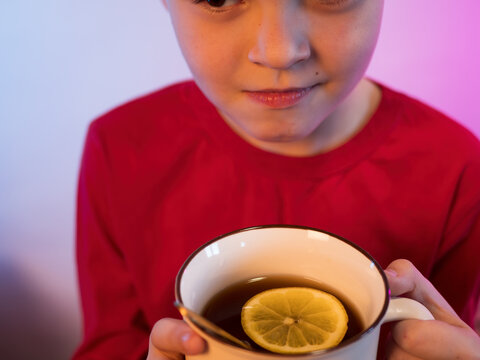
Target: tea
{"points": [[224, 308]]}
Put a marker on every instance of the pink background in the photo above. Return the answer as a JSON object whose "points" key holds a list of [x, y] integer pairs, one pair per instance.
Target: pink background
{"points": [[65, 62], [431, 50]]}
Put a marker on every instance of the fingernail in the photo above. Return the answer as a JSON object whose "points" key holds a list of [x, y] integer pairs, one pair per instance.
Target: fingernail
{"points": [[185, 337], [391, 272]]}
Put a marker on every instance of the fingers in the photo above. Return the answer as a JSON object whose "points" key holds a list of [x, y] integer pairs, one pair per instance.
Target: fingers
{"points": [[170, 338], [405, 279], [447, 337], [394, 352], [416, 339]]}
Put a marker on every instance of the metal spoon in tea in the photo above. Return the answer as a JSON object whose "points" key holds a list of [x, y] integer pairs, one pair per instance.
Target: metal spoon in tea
{"points": [[209, 327]]}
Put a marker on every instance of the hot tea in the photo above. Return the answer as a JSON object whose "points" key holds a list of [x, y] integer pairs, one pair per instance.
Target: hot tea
{"points": [[224, 308]]}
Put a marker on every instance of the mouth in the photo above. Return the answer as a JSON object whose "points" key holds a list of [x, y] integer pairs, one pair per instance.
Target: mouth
{"points": [[280, 98]]}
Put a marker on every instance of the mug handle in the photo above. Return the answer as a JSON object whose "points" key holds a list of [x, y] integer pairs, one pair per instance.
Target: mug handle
{"points": [[401, 308]]}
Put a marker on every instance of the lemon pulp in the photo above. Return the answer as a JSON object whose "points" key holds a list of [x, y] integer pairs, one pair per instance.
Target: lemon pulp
{"points": [[294, 320]]}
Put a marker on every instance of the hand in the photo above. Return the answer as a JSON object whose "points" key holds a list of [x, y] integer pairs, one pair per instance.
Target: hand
{"points": [[171, 339], [447, 337]]}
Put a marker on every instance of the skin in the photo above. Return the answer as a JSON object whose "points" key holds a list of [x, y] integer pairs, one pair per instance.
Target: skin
{"points": [[298, 43], [281, 44], [445, 338]]}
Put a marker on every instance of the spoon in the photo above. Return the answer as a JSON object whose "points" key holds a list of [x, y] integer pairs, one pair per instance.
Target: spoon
{"points": [[208, 326]]}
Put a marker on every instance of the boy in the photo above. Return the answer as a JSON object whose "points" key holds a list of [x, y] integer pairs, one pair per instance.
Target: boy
{"points": [[279, 127]]}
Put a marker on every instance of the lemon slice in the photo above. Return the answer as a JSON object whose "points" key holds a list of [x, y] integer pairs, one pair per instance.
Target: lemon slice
{"points": [[294, 320]]}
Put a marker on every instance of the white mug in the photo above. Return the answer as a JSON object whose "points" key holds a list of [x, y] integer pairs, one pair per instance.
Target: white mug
{"points": [[303, 252]]}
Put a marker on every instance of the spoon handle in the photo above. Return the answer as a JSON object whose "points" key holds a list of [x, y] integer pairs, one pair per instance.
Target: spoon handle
{"points": [[208, 326]]}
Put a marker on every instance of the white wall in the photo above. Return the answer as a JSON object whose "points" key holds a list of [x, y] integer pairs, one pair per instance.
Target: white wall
{"points": [[62, 63]]}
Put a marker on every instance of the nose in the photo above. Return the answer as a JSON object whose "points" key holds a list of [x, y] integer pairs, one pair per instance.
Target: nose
{"points": [[280, 41]]}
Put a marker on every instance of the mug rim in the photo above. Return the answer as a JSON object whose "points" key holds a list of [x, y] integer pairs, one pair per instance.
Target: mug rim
{"points": [[344, 344]]}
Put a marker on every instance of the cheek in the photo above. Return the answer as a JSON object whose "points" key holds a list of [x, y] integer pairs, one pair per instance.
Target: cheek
{"points": [[350, 43], [209, 57], [351, 60], [363, 38]]}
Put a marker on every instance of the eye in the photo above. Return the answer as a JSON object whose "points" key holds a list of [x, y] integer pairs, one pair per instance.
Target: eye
{"points": [[219, 6], [217, 3], [336, 3], [332, 2]]}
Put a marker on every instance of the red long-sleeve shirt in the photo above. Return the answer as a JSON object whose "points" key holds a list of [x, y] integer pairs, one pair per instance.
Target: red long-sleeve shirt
{"points": [[163, 174]]}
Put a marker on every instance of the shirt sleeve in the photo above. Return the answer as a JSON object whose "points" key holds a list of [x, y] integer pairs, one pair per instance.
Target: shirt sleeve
{"points": [[114, 325], [457, 272]]}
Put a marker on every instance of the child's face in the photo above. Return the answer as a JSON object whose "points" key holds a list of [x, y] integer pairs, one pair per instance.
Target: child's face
{"points": [[244, 54]]}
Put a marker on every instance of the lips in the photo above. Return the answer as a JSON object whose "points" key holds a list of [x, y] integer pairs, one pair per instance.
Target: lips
{"points": [[279, 99]]}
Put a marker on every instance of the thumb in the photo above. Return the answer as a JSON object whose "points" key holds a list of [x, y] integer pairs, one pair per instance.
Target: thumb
{"points": [[405, 279], [175, 336]]}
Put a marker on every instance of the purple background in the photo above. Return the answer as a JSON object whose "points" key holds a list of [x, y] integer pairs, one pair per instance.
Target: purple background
{"points": [[65, 62]]}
